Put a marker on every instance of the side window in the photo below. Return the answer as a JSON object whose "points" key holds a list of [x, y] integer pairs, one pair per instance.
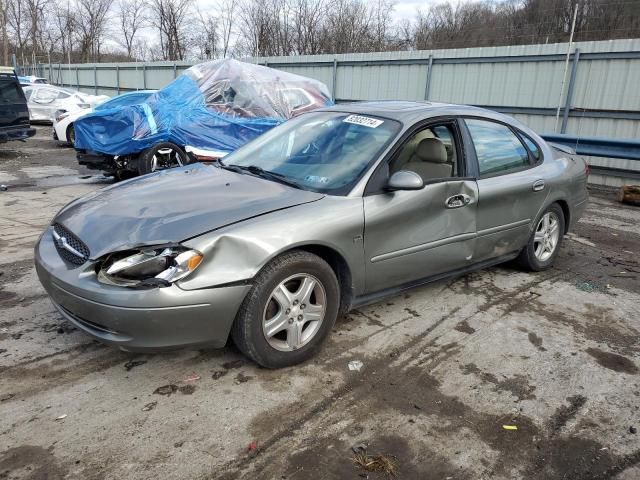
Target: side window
{"points": [[498, 149], [531, 145], [9, 90], [45, 95], [430, 152]]}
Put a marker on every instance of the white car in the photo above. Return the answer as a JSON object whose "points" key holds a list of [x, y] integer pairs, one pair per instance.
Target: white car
{"points": [[63, 129], [45, 102]]}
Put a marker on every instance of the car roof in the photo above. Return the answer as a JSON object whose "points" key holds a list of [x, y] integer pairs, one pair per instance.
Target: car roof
{"points": [[409, 112], [7, 70]]}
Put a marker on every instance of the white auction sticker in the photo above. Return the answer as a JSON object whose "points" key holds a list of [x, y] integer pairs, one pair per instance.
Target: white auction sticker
{"points": [[365, 121]]}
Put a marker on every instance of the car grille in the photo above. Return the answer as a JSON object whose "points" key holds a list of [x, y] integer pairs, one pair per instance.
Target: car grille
{"points": [[72, 241]]}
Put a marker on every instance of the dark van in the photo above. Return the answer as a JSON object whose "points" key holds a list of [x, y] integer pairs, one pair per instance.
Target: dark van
{"points": [[14, 114]]}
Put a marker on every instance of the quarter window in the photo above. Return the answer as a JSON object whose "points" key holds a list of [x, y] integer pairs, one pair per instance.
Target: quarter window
{"points": [[531, 145], [498, 149]]}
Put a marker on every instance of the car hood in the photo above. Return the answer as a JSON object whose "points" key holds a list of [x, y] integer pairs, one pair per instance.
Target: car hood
{"points": [[173, 206]]}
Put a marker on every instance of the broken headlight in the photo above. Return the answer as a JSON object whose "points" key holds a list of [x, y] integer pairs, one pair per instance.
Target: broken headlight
{"points": [[149, 266]]}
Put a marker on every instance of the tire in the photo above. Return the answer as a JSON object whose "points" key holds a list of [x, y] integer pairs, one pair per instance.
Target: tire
{"points": [[71, 135], [541, 251], [288, 346], [167, 155]]}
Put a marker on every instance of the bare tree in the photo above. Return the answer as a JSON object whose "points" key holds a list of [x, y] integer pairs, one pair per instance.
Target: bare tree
{"points": [[91, 20], [132, 18], [3, 27], [229, 10], [170, 17]]}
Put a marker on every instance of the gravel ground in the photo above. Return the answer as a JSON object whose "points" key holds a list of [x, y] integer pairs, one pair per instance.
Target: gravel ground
{"points": [[445, 368]]}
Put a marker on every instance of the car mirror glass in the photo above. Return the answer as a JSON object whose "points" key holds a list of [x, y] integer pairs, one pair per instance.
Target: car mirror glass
{"points": [[405, 180]]}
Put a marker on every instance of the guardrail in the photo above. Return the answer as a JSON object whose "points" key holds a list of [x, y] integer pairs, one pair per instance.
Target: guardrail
{"points": [[602, 147]]}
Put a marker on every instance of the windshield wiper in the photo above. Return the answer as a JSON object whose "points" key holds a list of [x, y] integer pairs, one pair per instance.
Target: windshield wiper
{"points": [[261, 172]]}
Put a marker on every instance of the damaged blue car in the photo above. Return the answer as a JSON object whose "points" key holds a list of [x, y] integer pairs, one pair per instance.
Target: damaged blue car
{"points": [[210, 110]]}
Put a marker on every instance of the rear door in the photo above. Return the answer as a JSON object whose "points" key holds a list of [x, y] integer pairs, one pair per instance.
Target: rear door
{"points": [[414, 235], [511, 190], [13, 106]]}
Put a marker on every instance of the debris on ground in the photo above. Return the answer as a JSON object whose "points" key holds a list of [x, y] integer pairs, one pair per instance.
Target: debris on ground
{"points": [[633, 430], [61, 417], [242, 378], [134, 363], [587, 287], [191, 378], [510, 427], [252, 447], [629, 194], [4, 188], [149, 406], [355, 365], [359, 448], [187, 389], [218, 374], [166, 390], [376, 463]]}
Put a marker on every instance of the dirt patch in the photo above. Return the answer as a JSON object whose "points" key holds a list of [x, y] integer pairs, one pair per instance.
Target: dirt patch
{"points": [[30, 462], [566, 413], [613, 361], [536, 341], [464, 327], [598, 324], [518, 385]]}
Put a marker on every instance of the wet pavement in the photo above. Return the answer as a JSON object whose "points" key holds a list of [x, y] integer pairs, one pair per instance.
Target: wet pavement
{"points": [[552, 356]]}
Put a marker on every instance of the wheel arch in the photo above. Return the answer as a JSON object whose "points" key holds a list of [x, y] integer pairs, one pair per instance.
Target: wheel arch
{"points": [[338, 264]]}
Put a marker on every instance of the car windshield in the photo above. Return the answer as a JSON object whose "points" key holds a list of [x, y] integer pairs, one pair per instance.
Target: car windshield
{"points": [[322, 151]]}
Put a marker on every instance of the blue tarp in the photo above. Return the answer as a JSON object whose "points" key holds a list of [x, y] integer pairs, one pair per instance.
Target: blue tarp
{"points": [[218, 105]]}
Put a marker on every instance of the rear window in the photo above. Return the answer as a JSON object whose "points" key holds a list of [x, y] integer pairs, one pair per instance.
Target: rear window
{"points": [[9, 90]]}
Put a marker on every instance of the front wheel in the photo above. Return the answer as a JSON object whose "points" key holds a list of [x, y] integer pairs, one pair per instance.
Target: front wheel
{"points": [[289, 311], [161, 156], [544, 242]]}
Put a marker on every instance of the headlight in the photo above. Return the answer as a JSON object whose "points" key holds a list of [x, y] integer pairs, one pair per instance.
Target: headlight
{"points": [[151, 266]]}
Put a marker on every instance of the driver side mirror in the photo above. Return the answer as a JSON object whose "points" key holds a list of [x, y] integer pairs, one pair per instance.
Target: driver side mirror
{"points": [[405, 180]]}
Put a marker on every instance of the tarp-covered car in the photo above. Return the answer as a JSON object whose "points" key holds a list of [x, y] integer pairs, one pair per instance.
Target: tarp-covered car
{"points": [[216, 106]]}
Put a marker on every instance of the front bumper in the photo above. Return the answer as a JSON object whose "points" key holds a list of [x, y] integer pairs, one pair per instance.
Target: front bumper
{"points": [[19, 133], [136, 320]]}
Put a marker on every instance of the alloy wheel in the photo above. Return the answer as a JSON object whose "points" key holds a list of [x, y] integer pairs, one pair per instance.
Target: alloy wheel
{"points": [[546, 236], [294, 312], [165, 158]]}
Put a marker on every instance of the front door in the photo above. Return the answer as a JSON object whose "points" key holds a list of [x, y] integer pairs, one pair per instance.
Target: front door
{"points": [[414, 235]]}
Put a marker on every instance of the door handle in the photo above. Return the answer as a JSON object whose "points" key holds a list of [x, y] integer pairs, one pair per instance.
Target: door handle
{"points": [[458, 201], [538, 185]]}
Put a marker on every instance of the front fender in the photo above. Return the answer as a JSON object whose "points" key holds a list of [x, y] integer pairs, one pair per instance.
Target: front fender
{"points": [[235, 254]]}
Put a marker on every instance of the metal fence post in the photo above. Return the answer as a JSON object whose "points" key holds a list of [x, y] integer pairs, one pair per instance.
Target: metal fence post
{"points": [[175, 70], [77, 79], [572, 83], [95, 80], [118, 79], [144, 76], [427, 86], [334, 78]]}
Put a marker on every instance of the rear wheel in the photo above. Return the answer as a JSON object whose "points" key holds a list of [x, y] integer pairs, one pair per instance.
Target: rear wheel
{"points": [[162, 156], [544, 242], [71, 134], [290, 310]]}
